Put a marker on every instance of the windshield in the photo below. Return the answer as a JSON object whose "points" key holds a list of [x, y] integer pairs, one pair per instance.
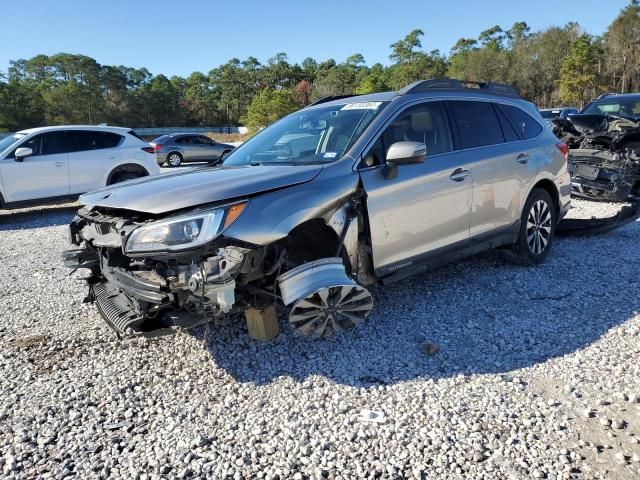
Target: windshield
{"points": [[318, 135], [10, 140], [628, 107], [550, 113]]}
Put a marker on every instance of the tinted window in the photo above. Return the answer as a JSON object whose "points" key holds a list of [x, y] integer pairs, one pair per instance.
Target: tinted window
{"points": [[84, 140], [161, 139], [185, 140], [426, 123], [204, 140], [49, 143], [54, 143], [134, 134], [508, 130], [477, 124], [525, 124]]}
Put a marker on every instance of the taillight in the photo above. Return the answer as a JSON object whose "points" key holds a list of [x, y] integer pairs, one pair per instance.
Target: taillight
{"points": [[564, 149], [157, 146], [149, 149]]}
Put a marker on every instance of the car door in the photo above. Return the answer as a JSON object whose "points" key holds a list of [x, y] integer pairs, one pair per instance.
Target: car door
{"points": [[189, 148], [210, 149], [45, 174], [426, 208], [93, 154], [501, 165]]}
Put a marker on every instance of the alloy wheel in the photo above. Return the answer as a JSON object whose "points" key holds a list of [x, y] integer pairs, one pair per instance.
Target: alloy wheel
{"points": [[539, 224], [330, 310], [174, 160]]}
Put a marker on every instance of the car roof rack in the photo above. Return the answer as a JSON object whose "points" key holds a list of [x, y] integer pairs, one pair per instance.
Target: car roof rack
{"points": [[330, 98], [605, 95], [423, 86]]}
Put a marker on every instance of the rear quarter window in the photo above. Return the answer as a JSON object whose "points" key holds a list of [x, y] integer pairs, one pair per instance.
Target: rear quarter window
{"points": [[526, 126]]}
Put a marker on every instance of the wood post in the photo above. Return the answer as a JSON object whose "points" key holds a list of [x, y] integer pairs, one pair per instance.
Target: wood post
{"points": [[262, 324]]}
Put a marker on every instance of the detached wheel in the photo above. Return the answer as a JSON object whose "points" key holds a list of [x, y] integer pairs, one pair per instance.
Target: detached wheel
{"points": [[331, 310], [174, 159], [537, 229]]}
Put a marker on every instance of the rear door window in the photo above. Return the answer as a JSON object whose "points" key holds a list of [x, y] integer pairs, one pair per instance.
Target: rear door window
{"points": [[477, 124], [82, 140], [526, 126]]}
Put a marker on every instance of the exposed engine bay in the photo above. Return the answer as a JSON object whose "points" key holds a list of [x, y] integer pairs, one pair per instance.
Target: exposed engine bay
{"points": [[604, 155]]}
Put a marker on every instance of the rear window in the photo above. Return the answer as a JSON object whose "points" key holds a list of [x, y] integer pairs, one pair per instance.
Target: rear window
{"points": [[160, 139], [548, 114], [526, 126], [134, 134], [477, 124]]}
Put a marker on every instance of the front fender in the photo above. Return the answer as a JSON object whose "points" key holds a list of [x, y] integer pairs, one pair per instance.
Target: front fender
{"points": [[270, 217]]}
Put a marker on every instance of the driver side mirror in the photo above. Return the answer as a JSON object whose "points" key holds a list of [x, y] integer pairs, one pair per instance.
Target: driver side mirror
{"points": [[22, 153], [403, 153]]}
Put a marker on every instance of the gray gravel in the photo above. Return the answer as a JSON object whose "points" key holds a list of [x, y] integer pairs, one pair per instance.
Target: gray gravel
{"points": [[536, 375]]}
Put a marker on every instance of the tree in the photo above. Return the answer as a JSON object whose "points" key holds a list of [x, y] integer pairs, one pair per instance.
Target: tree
{"points": [[621, 44], [578, 75], [267, 107]]}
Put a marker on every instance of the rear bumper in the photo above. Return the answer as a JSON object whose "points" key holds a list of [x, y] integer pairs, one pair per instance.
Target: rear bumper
{"points": [[161, 158]]}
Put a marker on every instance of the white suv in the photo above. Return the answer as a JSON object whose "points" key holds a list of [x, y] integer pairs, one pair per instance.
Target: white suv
{"points": [[51, 164]]}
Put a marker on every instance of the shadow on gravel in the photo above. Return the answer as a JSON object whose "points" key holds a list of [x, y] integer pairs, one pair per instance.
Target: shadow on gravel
{"points": [[36, 217], [485, 315]]}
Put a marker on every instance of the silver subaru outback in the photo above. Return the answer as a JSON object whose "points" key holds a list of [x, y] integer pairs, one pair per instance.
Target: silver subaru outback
{"points": [[322, 205]]}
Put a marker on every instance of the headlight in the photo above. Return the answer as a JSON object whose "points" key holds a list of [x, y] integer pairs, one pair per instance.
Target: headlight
{"points": [[183, 232]]}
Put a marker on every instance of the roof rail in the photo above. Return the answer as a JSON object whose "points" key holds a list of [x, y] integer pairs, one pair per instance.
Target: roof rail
{"points": [[605, 95], [331, 98], [422, 86]]}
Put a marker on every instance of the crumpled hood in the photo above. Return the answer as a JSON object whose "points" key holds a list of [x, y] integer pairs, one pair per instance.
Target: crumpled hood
{"points": [[168, 192]]}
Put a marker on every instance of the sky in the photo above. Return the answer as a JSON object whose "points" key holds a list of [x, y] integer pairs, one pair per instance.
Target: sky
{"points": [[180, 37]]}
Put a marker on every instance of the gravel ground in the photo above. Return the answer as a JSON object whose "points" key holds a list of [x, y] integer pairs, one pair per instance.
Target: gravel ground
{"points": [[477, 370]]}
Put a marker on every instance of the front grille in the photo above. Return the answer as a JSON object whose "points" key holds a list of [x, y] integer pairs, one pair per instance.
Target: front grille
{"points": [[103, 228], [113, 310]]}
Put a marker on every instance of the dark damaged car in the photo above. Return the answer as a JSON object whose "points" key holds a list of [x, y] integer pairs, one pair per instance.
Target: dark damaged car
{"points": [[316, 208], [604, 142]]}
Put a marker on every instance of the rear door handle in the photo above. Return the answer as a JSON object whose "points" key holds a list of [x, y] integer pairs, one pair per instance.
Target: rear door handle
{"points": [[60, 164], [523, 158], [459, 174]]}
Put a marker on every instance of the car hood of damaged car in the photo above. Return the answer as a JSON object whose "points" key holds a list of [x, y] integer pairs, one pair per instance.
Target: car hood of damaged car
{"points": [[169, 192]]}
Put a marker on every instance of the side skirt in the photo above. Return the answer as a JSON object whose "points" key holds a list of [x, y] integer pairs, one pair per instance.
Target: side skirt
{"points": [[451, 253], [40, 201]]}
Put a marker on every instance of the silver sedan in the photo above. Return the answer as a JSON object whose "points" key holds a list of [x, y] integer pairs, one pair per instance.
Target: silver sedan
{"points": [[174, 149]]}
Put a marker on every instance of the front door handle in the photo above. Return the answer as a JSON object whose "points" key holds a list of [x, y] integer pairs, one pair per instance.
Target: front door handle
{"points": [[459, 174], [523, 158]]}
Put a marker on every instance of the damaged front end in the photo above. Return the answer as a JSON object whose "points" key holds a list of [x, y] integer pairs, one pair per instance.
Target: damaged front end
{"points": [[150, 276], [604, 156]]}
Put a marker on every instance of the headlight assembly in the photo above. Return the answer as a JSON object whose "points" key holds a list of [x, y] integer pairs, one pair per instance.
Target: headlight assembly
{"points": [[183, 232]]}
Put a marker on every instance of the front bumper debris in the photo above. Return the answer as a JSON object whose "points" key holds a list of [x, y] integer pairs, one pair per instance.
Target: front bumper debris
{"points": [[593, 226]]}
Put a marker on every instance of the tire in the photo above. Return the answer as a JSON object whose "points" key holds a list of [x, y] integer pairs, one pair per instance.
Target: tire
{"points": [[174, 159], [123, 177], [537, 230]]}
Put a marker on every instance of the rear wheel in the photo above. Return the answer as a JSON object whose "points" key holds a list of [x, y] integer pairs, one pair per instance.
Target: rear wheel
{"points": [[124, 175], [174, 159], [537, 229]]}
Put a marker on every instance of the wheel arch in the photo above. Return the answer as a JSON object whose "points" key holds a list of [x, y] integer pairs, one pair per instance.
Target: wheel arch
{"points": [[126, 167], [550, 187]]}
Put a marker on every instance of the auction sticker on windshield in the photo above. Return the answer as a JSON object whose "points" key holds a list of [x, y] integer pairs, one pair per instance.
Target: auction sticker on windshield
{"points": [[362, 106]]}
